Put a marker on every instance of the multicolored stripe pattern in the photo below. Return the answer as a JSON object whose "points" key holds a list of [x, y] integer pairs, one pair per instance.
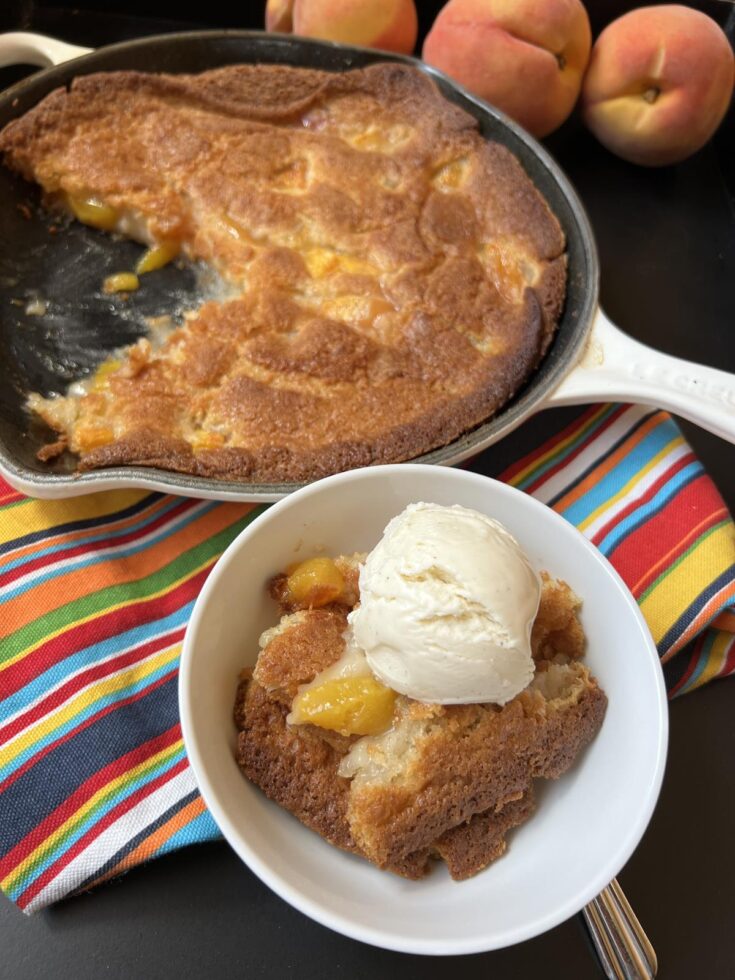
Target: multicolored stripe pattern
{"points": [[626, 477], [95, 596], [95, 593]]}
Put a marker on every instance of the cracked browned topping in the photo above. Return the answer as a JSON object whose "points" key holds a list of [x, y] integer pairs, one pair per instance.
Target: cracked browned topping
{"points": [[398, 276]]}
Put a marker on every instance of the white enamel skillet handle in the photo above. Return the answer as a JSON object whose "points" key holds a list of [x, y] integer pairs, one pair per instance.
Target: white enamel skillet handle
{"points": [[21, 48], [614, 367]]}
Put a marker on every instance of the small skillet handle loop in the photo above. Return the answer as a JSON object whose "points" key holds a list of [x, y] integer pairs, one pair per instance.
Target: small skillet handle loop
{"points": [[23, 48], [614, 367]]}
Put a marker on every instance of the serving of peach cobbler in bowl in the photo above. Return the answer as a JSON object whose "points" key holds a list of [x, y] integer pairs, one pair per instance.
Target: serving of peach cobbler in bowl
{"points": [[423, 709]]}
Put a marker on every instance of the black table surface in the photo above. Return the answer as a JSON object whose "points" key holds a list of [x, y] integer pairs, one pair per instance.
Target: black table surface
{"points": [[667, 250]]}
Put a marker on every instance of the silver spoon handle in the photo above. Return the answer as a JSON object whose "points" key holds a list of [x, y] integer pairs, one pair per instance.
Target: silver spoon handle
{"points": [[624, 949]]}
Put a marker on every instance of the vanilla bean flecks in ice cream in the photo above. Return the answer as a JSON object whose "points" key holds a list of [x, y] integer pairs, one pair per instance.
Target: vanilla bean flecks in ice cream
{"points": [[447, 602]]}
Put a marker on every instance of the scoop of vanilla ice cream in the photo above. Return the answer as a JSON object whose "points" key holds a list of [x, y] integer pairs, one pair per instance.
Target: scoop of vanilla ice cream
{"points": [[447, 602]]}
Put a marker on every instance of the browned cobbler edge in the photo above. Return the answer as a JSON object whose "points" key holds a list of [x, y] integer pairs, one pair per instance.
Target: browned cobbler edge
{"points": [[389, 399], [279, 464], [497, 754]]}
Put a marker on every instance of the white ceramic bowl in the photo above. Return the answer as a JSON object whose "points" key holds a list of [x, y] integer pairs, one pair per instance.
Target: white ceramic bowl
{"points": [[587, 823]]}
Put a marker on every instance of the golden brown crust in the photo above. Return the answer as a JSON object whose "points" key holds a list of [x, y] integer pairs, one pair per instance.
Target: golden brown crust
{"points": [[400, 276], [471, 846], [278, 590], [238, 713], [295, 656], [298, 770], [52, 450], [349, 566], [473, 758], [557, 631]]}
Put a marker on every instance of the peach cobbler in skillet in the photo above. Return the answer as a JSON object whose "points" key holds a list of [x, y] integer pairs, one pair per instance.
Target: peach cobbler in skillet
{"points": [[393, 277]]}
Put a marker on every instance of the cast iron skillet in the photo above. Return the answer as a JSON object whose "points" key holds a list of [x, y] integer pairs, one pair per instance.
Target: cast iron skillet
{"points": [[60, 274]]}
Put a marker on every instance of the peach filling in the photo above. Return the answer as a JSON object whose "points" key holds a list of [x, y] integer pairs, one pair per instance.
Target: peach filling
{"points": [[92, 211], [120, 282], [156, 257], [348, 705], [313, 583], [206, 440], [92, 435], [322, 261], [101, 376]]}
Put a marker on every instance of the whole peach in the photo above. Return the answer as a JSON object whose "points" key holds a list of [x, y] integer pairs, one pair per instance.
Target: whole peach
{"points": [[388, 24], [279, 16], [526, 57], [659, 82]]}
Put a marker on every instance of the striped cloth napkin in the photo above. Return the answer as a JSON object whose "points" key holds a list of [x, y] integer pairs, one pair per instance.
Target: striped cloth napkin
{"points": [[96, 592]]}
